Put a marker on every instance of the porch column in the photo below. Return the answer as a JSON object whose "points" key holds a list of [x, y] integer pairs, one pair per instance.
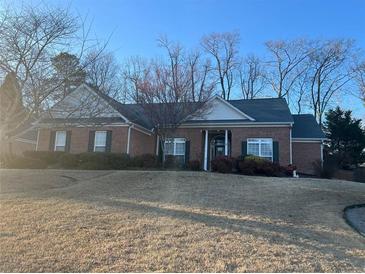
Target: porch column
{"points": [[226, 142], [206, 151]]}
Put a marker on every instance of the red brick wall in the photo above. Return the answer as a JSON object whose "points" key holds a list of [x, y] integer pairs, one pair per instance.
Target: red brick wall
{"points": [[279, 134], [80, 138], [304, 154], [142, 143], [43, 139], [15, 147], [195, 136]]}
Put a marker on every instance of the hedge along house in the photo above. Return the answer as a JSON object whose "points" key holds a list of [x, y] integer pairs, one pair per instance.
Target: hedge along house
{"points": [[87, 121]]}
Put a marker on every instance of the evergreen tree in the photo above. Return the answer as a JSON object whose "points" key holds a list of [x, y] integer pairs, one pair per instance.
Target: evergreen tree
{"points": [[10, 98], [69, 73], [346, 137]]}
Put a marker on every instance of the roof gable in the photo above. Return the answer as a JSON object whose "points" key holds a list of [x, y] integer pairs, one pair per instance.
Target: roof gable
{"points": [[83, 103], [220, 109]]}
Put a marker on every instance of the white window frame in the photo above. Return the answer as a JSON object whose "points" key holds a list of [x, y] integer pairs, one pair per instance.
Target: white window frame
{"points": [[56, 140], [175, 141], [106, 136], [261, 141]]}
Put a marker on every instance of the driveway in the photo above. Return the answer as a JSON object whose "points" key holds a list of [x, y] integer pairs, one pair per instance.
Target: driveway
{"points": [[116, 221]]}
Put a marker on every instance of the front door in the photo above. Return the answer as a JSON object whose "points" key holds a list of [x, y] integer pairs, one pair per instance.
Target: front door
{"points": [[217, 147]]}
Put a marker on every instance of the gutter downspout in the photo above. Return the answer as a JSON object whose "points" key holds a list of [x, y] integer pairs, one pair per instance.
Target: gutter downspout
{"points": [[157, 144], [322, 154], [291, 147], [36, 146], [206, 151], [129, 138]]}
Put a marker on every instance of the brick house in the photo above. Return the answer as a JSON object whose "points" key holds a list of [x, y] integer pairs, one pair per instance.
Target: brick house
{"points": [[262, 127]]}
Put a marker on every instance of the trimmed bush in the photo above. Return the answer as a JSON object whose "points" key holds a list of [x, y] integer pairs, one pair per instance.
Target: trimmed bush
{"points": [[145, 160], [253, 165], [49, 157], [91, 160], [223, 164], [172, 161], [359, 175], [194, 165], [68, 160], [103, 160], [118, 160], [327, 171], [24, 162]]}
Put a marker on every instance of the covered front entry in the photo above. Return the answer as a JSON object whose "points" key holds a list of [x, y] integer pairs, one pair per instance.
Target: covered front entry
{"points": [[216, 143]]}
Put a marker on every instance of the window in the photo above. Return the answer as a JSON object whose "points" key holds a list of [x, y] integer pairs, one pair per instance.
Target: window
{"points": [[260, 147], [100, 141], [60, 141], [175, 147]]}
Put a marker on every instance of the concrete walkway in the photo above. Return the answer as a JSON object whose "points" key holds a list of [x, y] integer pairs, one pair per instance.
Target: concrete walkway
{"points": [[356, 218]]}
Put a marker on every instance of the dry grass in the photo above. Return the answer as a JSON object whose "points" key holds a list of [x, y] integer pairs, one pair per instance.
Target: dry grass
{"points": [[175, 221]]}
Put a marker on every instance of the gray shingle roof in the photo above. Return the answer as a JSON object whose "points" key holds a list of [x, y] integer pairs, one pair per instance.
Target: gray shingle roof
{"points": [[306, 126], [265, 110], [133, 112]]}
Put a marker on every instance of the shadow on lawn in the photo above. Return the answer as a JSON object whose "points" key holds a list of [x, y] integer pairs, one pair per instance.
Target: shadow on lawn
{"points": [[285, 234]]}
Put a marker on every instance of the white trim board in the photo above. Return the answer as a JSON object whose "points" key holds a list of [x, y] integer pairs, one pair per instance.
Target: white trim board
{"points": [[307, 140], [218, 108], [26, 141], [235, 124]]}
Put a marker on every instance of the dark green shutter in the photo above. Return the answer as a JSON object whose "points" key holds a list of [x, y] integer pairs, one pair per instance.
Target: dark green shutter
{"points": [[160, 151], [244, 149], [108, 147], [275, 145], [91, 141], [187, 152], [68, 141], [52, 140]]}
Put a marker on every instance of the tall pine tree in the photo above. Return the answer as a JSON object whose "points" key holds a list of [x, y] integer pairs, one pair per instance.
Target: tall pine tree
{"points": [[346, 137]]}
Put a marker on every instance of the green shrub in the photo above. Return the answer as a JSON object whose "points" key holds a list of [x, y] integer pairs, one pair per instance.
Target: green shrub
{"points": [[4, 159], [104, 160], [49, 157], [359, 175], [223, 164], [172, 161], [135, 162], [118, 160], [327, 170], [24, 162], [253, 165], [96, 160], [68, 160], [145, 161], [194, 165]]}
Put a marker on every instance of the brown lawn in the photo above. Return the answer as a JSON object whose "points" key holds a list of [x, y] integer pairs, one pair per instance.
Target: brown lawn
{"points": [[116, 221]]}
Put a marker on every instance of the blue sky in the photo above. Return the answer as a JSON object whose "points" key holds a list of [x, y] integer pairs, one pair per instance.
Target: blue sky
{"points": [[136, 24]]}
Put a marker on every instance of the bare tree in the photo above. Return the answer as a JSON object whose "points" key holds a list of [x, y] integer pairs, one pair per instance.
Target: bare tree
{"points": [[252, 77], [284, 66], [223, 47], [29, 38], [135, 71], [360, 78], [171, 89], [329, 72], [103, 72]]}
